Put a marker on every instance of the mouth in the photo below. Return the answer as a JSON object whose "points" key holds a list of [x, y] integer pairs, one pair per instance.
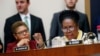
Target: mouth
{"points": [[70, 36], [19, 7]]}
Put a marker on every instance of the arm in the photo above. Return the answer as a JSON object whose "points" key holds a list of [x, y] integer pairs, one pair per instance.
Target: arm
{"points": [[10, 47], [7, 34], [86, 24], [42, 31], [39, 40]]}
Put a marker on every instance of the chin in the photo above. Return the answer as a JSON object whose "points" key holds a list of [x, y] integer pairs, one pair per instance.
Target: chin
{"points": [[20, 11], [70, 37]]}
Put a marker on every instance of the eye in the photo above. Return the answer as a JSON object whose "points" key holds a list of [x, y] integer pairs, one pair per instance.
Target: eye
{"points": [[71, 28], [64, 27], [21, 1], [16, 2]]}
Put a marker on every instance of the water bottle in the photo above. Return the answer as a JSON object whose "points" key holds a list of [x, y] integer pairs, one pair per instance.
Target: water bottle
{"points": [[98, 33]]}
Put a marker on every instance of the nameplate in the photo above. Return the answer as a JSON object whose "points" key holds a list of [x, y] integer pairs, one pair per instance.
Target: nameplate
{"points": [[22, 48], [74, 42]]}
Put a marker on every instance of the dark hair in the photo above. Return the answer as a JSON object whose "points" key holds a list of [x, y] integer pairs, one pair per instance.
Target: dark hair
{"points": [[28, 1], [16, 25], [69, 14]]}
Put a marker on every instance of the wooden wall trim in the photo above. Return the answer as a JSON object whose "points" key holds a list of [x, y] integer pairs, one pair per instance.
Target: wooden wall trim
{"points": [[88, 11]]}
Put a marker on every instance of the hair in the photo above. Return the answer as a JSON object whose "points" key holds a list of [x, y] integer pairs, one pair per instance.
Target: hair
{"points": [[28, 1], [69, 14], [16, 25]]}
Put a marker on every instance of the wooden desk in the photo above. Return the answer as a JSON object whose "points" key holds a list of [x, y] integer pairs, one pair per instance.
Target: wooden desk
{"points": [[75, 50]]}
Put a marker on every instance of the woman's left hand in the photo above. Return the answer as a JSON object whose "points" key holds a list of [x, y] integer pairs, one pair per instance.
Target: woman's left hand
{"points": [[38, 38]]}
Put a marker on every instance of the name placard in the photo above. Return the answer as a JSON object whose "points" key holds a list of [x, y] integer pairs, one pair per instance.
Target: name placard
{"points": [[22, 48], [74, 42]]}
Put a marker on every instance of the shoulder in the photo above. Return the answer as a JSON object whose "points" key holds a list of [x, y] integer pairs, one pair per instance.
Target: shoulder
{"points": [[33, 17], [13, 17], [80, 13], [56, 16], [13, 44], [58, 13]]}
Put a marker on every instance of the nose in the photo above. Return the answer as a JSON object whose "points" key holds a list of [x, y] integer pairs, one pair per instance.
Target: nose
{"points": [[68, 31], [24, 33]]}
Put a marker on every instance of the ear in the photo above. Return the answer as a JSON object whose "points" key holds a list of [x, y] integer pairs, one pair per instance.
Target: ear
{"points": [[29, 4], [15, 36], [76, 1]]}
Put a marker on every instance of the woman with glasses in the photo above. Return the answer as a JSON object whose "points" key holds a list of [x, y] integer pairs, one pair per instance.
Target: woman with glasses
{"points": [[21, 33], [69, 23]]}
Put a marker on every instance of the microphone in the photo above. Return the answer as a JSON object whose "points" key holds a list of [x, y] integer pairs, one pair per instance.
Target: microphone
{"points": [[90, 38], [91, 35]]}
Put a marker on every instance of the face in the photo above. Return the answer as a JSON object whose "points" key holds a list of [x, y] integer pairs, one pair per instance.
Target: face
{"points": [[22, 6], [70, 3], [21, 33], [70, 29]]}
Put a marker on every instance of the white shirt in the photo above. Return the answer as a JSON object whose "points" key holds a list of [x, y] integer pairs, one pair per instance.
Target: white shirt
{"points": [[69, 9], [28, 19], [60, 41]]}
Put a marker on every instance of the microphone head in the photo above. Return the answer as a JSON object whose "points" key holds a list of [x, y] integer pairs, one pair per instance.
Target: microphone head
{"points": [[91, 35]]}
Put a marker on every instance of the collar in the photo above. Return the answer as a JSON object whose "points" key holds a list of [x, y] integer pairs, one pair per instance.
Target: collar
{"points": [[23, 15], [79, 37], [69, 9]]}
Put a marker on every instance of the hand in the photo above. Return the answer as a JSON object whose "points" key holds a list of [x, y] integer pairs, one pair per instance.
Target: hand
{"points": [[38, 39], [23, 42], [0, 46]]}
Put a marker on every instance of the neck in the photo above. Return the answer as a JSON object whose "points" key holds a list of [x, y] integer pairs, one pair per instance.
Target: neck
{"points": [[25, 12], [70, 8]]}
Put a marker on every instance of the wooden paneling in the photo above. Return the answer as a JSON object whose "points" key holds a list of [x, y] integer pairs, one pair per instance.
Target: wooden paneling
{"points": [[88, 11], [75, 50]]}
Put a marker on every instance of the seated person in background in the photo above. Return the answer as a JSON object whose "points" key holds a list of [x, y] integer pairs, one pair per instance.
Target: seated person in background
{"points": [[21, 33], [1, 47], [70, 27]]}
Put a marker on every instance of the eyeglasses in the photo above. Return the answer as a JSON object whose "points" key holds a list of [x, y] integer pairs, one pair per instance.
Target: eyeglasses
{"points": [[68, 29], [22, 32]]}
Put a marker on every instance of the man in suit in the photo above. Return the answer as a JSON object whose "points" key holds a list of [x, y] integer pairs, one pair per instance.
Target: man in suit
{"points": [[34, 23], [55, 29]]}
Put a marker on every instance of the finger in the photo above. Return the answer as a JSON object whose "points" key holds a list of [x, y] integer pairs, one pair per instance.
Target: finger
{"points": [[36, 36]]}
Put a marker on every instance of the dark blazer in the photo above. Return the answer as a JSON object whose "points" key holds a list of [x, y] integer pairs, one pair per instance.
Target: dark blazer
{"points": [[36, 27], [11, 46], [55, 29], [1, 50], [95, 22]]}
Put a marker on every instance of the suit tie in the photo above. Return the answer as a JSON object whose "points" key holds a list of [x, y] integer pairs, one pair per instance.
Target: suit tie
{"points": [[26, 21]]}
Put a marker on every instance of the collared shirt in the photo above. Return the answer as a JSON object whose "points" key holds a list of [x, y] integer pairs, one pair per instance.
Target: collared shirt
{"points": [[69, 9], [28, 19], [79, 37]]}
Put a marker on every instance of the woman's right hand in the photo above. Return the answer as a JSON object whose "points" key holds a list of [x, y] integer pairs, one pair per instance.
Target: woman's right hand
{"points": [[23, 42]]}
